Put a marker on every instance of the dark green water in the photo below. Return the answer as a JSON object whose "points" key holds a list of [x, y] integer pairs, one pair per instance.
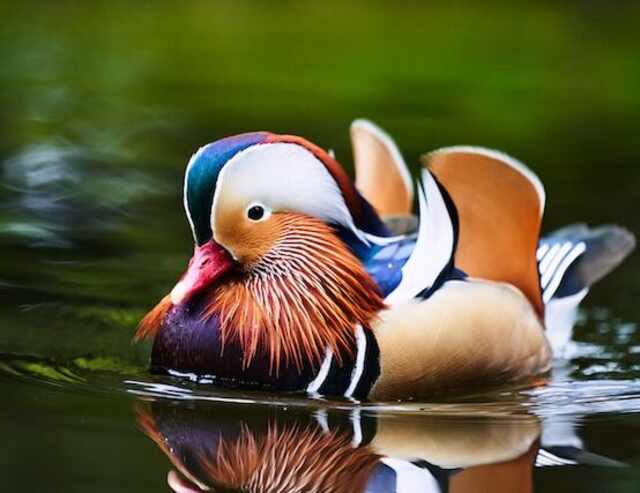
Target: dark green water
{"points": [[101, 104]]}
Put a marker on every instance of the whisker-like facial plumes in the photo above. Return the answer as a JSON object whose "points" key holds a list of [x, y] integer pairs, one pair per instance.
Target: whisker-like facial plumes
{"points": [[290, 459], [152, 321], [307, 293]]}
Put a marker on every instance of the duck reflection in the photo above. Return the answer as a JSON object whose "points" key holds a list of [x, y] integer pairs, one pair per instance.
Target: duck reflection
{"points": [[220, 449]]}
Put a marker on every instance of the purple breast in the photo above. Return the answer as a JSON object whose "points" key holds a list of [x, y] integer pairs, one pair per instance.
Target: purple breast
{"points": [[190, 342]]}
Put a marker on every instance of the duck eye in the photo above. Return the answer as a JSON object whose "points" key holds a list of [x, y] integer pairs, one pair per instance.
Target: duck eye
{"points": [[255, 212]]}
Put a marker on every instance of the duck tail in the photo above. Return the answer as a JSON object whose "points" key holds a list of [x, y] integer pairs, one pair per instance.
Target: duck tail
{"points": [[570, 261]]}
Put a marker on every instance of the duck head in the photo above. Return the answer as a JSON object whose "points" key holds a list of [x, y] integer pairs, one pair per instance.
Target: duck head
{"points": [[277, 224]]}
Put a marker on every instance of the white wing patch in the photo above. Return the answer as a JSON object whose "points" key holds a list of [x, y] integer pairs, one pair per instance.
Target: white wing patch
{"points": [[434, 247]]}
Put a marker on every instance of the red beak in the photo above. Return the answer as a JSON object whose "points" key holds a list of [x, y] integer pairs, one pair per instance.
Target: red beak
{"points": [[209, 262]]}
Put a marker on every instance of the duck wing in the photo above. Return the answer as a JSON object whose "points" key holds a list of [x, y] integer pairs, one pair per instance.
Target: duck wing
{"points": [[500, 203], [382, 176]]}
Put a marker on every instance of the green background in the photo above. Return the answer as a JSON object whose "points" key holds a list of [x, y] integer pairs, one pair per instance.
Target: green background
{"points": [[102, 103]]}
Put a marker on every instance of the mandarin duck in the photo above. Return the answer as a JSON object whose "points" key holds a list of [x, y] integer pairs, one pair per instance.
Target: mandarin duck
{"points": [[220, 449], [229, 447], [303, 280]]}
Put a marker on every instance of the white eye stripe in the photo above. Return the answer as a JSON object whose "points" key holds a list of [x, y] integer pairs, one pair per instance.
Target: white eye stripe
{"points": [[286, 176]]}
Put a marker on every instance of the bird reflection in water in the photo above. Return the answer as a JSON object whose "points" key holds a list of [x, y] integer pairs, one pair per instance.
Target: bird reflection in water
{"points": [[217, 448]]}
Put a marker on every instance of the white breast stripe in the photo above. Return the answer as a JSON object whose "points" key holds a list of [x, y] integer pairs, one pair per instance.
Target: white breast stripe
{"points": [[411, 478], [317, 382], [356, 374], [322, 419], [546, 277], [561, 270], [357, 428]]}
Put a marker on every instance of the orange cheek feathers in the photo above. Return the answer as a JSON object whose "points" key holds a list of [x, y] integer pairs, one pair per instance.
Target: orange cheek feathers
{"points": [[248, 241]]}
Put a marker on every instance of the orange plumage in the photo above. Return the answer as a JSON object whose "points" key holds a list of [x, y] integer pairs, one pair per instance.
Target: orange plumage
{"points": [[292, 457], [308, 292], [152, 321]]}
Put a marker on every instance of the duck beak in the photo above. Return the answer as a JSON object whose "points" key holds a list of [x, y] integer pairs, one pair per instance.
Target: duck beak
{"points": [[209, 262]]}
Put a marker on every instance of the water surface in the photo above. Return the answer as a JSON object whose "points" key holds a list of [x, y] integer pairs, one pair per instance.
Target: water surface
{"points": [[101, 106]]}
